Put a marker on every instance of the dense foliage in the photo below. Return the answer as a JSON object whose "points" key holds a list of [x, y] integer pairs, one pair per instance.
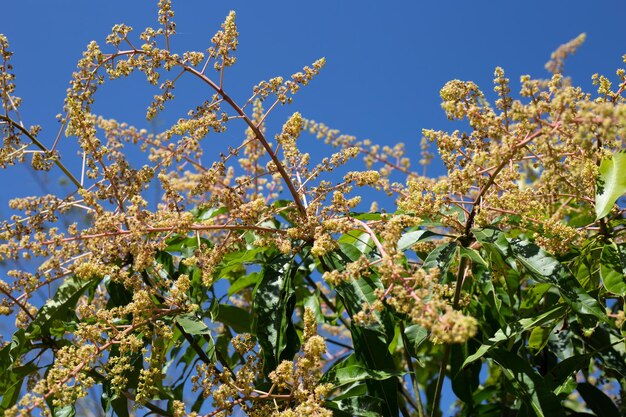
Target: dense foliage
{"points": [[257, 287]]}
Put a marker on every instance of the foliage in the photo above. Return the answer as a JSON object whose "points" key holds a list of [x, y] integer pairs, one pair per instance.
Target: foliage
{"points": [[257, 286]]}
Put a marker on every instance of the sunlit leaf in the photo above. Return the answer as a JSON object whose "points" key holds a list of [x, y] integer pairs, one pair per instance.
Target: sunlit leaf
{"points": [[611, 183], [613, 268], [274, 302]]}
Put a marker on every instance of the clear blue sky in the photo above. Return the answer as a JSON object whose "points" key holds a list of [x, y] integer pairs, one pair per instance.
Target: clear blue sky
{"points": [[386, 60]]}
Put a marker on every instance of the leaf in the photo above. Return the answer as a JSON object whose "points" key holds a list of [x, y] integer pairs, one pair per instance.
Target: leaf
{"points": [[613, 269], [415, 335], [538, 338], [362, 241], [598, 401], [60, 305], [274, 302], [559, 374], [234, 317], [11, 383], [66, 411], [440, 257], [410, 238], [608, 346], [371, 342], [192, 325], [244, 282], [207, 213], [611, 183], [515, 329], [110, 399], [358, 406], [543, 268], [472, 255], [529, 385], [351, 370], [465, 379]]}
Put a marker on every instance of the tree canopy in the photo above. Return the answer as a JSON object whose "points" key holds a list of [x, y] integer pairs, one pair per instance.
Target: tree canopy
{"points": [[260, 285]]}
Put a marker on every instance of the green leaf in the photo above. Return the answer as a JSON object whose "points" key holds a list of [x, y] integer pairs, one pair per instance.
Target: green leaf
{"points": [[274, 303], [359, 239], [235, 261], [371, 342], [465, 379], [357, 406], [611, 183], [613, 269], [411, 238], [515, 329], [472, 255], [66, 411], [244, 282], [609, 346], [11, 383], [529, 385], [598, 401], [351, 370], [561, 372], [192, 325], [415, 335], [60, 306], [234, 317], [440, 257], [538, 338], [110, 399], [543, 268], [207, 213]]}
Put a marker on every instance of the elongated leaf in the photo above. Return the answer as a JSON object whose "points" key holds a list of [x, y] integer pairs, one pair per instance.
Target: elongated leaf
{"points": [[11, 384], [613, 269], [441, 257], [411, 238], [598, 401], [234, 317], [370, 342], [357, 406], [544, 268], [371, 347], [465, 379], [472, 255], [538, 338], [192, 325], [274, 302], [415, 336], [611, 183], [529, 384], [559, 374], [514, 330], [351, 370], [356, 239], [608, 346], [244, 282], [60, 305], [65, 411]]}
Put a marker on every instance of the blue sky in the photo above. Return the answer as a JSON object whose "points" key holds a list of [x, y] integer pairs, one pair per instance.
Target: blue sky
{"points": [[386, 61]]}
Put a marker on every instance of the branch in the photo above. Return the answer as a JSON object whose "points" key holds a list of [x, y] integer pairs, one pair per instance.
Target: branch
{"points": [[41, 146]]}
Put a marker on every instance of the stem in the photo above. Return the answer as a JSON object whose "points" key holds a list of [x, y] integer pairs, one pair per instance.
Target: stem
{"points": [[258, 134], [41, 146], [460, 277], [409, 361], [492, 177]]}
